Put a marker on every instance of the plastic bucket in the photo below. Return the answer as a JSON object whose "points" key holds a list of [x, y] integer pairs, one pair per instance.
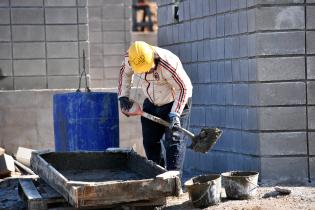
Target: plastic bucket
{"points": [[85, 121], [204, 190], [240, 184]]}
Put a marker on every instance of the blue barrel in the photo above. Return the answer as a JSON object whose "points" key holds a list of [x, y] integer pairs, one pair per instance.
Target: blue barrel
{"points": [[86, 121]]}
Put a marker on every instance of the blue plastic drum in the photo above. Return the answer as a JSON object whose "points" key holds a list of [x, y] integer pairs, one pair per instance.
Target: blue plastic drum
{"points": [[86, 121]]}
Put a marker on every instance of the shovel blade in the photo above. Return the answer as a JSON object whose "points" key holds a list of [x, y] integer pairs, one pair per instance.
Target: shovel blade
{"points": [[205, 140]]}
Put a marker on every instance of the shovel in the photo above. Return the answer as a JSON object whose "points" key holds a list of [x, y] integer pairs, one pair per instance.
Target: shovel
{"points": [[201, 142]]}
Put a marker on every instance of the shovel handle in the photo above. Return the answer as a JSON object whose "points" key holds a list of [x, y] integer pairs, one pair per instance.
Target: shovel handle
{"points": [[165, 123]]}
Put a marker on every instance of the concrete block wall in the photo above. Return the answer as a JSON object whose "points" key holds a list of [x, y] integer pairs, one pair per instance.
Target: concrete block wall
{"points": [[110, 31], [41, 43], [251, 64]]}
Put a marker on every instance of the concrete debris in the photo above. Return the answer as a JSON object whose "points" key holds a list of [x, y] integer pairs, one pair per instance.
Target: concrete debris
{"points": [[23, 155], [6, 165]]}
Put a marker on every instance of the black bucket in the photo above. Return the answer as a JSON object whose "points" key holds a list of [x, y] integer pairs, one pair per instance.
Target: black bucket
{"points": [[240, 184], [204, 190]]}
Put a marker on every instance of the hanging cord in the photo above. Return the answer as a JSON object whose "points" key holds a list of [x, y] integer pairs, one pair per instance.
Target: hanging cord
{"points": [[87, 89]]}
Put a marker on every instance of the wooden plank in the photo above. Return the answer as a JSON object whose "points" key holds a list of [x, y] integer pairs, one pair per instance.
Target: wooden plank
{"points": [[30, 195]]}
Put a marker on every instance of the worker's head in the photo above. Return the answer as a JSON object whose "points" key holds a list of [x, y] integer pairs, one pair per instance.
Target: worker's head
{"points": [[141, 57]]}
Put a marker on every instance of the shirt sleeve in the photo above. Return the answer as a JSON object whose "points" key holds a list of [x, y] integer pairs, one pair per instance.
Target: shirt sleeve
{"points": [[180, 82], [125, 78]]}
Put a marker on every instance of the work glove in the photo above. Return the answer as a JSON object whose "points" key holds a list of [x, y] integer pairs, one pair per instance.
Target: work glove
{"points": [[125, 104], [174, 120]]}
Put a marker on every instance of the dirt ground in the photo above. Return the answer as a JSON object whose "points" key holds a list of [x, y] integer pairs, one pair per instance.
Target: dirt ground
{"points": [[302, 197]]}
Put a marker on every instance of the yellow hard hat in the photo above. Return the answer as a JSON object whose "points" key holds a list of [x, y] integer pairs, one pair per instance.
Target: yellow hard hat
{"points": [[141, 57]]}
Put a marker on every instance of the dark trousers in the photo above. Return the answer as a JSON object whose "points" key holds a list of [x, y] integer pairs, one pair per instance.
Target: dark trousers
{"points": [[174, 143]]}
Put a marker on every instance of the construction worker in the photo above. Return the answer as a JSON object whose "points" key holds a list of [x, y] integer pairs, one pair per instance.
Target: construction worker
{"points": [[168, 92]]}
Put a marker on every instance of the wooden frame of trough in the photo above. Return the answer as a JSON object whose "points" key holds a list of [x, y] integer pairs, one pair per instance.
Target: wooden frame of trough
{"points": [[156, 184]]}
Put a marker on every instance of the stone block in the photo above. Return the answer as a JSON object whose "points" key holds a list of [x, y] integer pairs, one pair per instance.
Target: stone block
{"points": [[4, 16], [25, 50], [282, 118], [62, 82], [28, 33], [29, 67], [60, 3], [113, 11], [227, 24], [83, 33], [5, 68], [27, 83], [242, 18], [220, 25], [27, 15], [288, 93], [113, 37], [5, 33], [6, 83], [311, 140], [62, 67], [6, 165], [82, 15], [310, 42], [282, 43], [112, 60], [111, 72], [61, 33], [280, 18], [62, 50], [276, 169], [221, 75], [95, 25], [61, 15], [186, 8], [234, 23], [29, 3], [284, 68]]}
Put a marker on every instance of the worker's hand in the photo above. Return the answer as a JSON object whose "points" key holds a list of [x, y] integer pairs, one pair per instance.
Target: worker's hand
{"points": [[125, 104], [174, 120]]}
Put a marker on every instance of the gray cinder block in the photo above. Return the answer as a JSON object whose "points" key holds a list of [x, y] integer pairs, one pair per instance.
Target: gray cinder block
{"points": [[310, 19], [311, 67], [28, 33], [282, 118], [310, 42], [6, 83], [220, 25], [280, 18], [213, 26], [62, 66], [312, 168], [281, 43], [5, 51], [243, 45], [83, 33], [29, 50], [285, 68], [234, 22], [114, 49], [311, 117], [242, 18], [29, 67], [61, 15], [235, 45], [220, 48], [311, 92], [213, 7], [112, 60], [5, 67], [278, 1], [114, 11], [60, 3], [61, 82], [61, 33], [113, 25], [4, 3], [62, 50], [227, 24], [29, 3], [4, 16], [113, 37], [227, 48], [311, 139], [27, 15], [5, 33], [27, 83]]}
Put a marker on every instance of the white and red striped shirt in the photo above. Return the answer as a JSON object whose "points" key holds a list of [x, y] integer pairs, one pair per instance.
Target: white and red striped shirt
{"points": [[168, 83]]}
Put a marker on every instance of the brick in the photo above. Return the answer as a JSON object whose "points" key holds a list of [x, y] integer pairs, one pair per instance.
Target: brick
{"points": [[289, 93], [113, 37], [311, 139], [29, 67], [310, 42], [61, 33], [280, 18], [60, 3], [28, 33], [297, 172], [6, 83], [282, 118], [6, 164], [27, 83], [242, 18], [62, 67], [62, 50], [234, 23], [29, 3], [113, 11], [29, 50], [27, 15], [61, 82], [5, 33], [61, 15], [4, 16], [220, 25], [5, 68], [281, 43]]}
